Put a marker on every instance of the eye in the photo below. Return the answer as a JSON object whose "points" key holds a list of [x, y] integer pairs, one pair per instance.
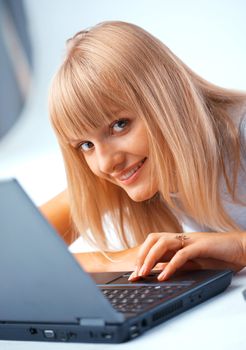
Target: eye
{"points": [[86, 146], [119, 125]]}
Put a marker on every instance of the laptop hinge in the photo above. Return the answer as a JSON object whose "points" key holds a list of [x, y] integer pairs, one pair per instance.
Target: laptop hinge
{"points": [[95, 322]]}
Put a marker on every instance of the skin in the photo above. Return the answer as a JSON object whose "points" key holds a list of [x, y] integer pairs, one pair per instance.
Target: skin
{"points": [[114, 150], [119, 153], [203, 249]]}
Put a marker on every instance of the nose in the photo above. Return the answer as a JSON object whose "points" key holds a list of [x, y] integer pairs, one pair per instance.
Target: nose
{"points": [[109, 158]]}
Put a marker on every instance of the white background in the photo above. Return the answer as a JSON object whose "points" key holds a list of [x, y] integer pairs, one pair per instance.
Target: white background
{"points": [[208, 35]]}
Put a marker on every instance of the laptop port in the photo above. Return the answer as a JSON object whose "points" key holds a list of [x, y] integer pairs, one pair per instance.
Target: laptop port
{"points": [[144, 323], [49, 333], [107, 335], [72, 335], [33, 331], [133, 328], [196, 297], [134, 331], [134, 335]]}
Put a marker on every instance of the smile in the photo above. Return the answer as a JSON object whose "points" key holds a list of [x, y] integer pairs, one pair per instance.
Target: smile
{"points": [[130, 175]]}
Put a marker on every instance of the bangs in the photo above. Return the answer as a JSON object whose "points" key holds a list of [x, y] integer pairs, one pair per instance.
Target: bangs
{"points": [[83, 101]]}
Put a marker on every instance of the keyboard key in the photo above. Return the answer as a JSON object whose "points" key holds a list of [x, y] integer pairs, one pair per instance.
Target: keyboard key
{"points": [[141, 298]]}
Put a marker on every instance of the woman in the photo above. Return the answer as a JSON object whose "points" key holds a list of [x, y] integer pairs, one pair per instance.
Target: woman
{"points": [[148, 147]]}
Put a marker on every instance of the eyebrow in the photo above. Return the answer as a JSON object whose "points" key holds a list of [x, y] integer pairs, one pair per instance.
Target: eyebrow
{"points": [[75, 142]]}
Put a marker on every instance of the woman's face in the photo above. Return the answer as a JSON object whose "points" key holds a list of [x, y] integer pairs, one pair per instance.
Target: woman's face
{"points": [[119, 153]]}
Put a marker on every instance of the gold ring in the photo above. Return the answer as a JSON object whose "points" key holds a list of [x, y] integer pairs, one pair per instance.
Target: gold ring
{"points": [[182, 237]]}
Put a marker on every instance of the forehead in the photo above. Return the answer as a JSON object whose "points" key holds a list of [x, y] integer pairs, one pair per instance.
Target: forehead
{"points": [[83, 103]]}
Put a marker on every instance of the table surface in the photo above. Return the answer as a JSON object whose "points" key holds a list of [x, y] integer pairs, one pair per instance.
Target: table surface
{"points": [[218, 323]]}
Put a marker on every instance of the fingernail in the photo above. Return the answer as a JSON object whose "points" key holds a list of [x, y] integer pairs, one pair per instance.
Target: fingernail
{"points": [[142, 270], [162, 275], [133, 276]]}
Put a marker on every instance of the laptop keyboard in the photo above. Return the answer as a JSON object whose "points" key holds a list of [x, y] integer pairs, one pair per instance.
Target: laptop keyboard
{"points": [[139, 299]]}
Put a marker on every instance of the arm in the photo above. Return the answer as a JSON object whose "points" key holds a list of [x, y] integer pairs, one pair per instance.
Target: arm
{"points": [[57, 212], [203, 249], [123, 260], [206, 250]]}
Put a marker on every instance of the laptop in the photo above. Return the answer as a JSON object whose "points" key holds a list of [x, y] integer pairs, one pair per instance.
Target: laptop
{"points": [[47, 296]]}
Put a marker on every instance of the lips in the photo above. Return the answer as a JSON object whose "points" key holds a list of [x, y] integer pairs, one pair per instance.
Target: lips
{"points": [[128, 174]]}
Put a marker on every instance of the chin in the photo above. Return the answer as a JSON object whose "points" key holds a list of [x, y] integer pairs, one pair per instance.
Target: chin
{"points": [[142, 196]]}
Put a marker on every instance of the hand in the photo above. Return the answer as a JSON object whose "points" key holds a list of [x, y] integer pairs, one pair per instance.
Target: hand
{"points": [[196, 250]]}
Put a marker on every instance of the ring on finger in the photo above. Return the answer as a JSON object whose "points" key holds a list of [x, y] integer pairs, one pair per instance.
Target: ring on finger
{"points": [[182, 238]]}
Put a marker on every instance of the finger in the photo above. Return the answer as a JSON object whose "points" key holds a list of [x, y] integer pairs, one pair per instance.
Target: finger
{"points": [[160, 266], [134, 277], [179, 259], [150, 240], [143, 251], [156, 253], [145, 248]]}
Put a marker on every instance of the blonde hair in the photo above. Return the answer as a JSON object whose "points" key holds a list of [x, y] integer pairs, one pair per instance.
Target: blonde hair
{"points": [[191, 136]]}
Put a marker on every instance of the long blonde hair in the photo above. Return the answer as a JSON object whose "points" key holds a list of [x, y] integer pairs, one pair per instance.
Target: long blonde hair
{"points": [[191, 135]]}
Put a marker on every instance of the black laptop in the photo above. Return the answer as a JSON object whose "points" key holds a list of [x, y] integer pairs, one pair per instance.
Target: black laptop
{"points": [[46, 296]]}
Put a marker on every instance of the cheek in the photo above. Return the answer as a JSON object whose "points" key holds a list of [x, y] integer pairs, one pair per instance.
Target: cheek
{"points": [[143, 144], [137, 143], [92, 165], [142, 147]]}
